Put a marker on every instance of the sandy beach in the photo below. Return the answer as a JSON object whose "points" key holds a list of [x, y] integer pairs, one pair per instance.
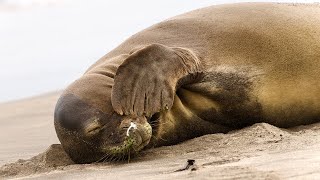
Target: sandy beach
{"points": [[260, 151], [26, 127], [40, 53]]}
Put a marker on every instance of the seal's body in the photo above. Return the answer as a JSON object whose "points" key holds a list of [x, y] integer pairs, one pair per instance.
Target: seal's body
{"points": [[211, 70]]}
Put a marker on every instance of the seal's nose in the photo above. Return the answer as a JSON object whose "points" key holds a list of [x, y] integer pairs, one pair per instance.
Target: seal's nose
{"points": [[132, 126], [137, 129]]}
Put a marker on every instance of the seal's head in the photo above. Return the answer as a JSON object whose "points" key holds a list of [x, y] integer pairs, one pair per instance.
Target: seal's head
{"points": [[88, 128]]}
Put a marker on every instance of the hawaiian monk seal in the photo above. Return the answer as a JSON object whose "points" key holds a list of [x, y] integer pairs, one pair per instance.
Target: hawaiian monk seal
{"points": [[207, 71]]}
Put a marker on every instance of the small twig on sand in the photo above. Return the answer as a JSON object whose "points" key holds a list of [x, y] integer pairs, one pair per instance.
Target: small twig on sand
{"points": [[190, 165]]}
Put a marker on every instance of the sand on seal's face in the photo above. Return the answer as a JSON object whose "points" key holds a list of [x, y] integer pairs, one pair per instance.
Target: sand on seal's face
{"points": [[258, 152]]}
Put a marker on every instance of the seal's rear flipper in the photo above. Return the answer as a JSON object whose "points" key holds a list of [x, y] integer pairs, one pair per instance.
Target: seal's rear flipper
{"points": [[145, 83]]}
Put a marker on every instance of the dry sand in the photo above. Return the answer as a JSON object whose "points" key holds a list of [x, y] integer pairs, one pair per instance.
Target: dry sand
{"points": [[261, 151]]}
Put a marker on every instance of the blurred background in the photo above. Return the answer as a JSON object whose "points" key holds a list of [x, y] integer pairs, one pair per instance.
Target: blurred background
{"points": [[47, 44]]}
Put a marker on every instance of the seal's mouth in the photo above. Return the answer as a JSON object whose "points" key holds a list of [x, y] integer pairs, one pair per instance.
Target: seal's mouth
{"points": [[136, 134]]}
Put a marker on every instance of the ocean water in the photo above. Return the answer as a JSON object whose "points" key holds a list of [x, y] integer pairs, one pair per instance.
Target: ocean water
{"points": [[47, 44]]}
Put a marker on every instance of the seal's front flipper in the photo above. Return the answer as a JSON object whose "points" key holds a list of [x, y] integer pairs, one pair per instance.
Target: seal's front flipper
{"points": [[145, 83]]}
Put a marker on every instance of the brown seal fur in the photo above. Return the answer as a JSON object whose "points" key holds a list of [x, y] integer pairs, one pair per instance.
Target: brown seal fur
{"points": [[207, 71]]}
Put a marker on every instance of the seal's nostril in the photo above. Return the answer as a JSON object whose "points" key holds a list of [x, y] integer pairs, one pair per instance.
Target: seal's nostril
{"points": [[132, 125]]}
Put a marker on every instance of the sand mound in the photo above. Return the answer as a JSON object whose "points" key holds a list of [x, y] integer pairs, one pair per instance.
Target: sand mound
{"points": [[53, 158], [261, 151]]}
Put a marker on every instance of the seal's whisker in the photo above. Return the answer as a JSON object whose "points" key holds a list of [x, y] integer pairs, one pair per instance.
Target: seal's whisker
{"points": [[154, 124], [121, 158], [129, 156], [112, 159], [109, 157], [124, 157], [115, 159], [103, 157]]}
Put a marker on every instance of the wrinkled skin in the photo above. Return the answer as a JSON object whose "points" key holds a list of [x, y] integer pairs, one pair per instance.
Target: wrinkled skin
{"points": [[145, 91]]}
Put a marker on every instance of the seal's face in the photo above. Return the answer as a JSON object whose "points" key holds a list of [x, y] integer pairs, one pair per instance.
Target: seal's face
{"points": [[89, 133]]}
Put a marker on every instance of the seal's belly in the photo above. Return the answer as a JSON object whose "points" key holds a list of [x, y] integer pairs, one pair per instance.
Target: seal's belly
{"points": [[291, 102], [239, 102]]}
